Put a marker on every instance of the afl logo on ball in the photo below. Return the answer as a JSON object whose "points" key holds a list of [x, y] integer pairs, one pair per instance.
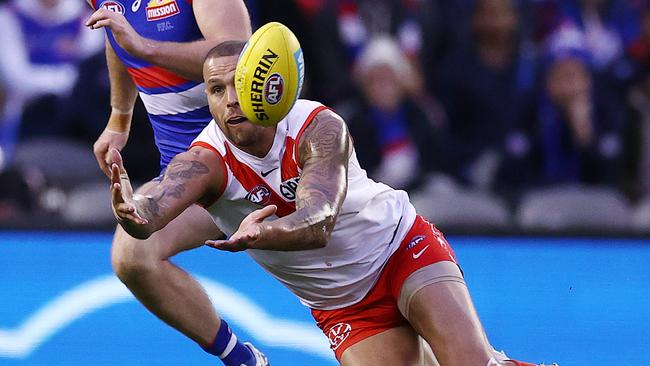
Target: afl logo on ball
{"points": [[113, 6], [338, 334], [273, 88], [259, 195]]}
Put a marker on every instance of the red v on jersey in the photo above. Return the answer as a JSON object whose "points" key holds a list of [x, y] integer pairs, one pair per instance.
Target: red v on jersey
{"points": [[289, 168], [251, 182]]}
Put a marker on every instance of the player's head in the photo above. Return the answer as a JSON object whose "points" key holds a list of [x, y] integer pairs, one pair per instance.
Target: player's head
{"points": [[219, 75]]}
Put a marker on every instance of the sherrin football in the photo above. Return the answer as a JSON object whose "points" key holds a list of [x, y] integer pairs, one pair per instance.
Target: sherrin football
{"points": [[269, 74]]}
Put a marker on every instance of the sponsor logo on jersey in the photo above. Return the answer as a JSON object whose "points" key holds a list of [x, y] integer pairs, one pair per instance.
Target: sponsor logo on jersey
{"points": [[273, 88], [338, 334], [260, 195], [161, 9], [288, 188], [258, 83], [113, 6], [415, 241]]}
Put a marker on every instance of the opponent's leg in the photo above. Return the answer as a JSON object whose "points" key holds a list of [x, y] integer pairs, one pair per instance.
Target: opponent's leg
{"points": [[397, 347], [171, 293]]}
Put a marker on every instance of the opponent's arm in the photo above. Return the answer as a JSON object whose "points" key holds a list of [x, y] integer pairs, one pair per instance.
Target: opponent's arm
{"points": [[195, 176], [123, 97], [324, 152], [218, 20]]}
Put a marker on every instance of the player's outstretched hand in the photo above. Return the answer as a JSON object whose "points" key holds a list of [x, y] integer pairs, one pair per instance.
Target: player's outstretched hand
{"points": [[124, 207], [123, 32], [248, 232]]}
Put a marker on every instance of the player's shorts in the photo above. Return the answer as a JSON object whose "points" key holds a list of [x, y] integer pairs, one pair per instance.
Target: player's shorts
{"points": [[423, 253]]}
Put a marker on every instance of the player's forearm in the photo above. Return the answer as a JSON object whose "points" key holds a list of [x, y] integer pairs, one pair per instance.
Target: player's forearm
{"points": [[184, 59], [123, 93], [305, 229]]}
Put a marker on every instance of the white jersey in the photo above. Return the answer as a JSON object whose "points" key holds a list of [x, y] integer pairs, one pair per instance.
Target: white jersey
{"points": [[372, 222]]}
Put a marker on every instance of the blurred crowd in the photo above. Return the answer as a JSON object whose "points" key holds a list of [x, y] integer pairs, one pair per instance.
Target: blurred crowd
{"points": [[530, 114]]}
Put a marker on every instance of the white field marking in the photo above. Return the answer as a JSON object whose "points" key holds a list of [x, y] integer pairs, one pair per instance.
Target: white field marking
{"points": [[106, 291]]}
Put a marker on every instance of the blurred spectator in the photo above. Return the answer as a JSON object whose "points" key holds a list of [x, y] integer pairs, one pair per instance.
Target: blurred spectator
{"points": [[47, 40], [580, 129], [395, 140], [340, 29], [487, 88], [609, 25]]}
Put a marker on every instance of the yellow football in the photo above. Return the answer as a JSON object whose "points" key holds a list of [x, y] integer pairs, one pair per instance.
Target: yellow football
{"points": [[269, 74]]}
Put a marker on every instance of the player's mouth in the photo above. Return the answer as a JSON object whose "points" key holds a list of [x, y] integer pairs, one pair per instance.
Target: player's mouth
{"points": [[235, 120]]}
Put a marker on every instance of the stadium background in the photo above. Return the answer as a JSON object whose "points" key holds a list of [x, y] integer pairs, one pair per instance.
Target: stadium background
{"points": [[522, 128]]}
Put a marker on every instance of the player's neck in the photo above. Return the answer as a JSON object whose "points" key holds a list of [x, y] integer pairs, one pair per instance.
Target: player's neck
{"points": [[263, 144]]}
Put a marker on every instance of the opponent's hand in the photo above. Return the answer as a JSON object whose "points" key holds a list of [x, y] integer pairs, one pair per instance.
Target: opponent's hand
{"points": [[123, 32], [124, 207], [107, 141], [248, 232]]}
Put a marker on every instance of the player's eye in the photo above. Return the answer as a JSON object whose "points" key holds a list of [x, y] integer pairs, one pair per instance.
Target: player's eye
{"points": [[217, 89]]}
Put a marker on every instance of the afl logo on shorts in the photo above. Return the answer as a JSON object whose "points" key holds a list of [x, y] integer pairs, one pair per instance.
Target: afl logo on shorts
{"points": [[259, 195], [113, 6], [273, 88], [415, 241], [338, 334]]}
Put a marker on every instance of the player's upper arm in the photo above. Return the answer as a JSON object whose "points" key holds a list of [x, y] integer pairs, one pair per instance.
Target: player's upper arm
{"points": [[222, 19], [323, 153]]}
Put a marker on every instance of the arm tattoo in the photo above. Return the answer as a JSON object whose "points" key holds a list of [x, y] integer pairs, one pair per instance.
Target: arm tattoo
{"points": [[324, 153], [172, 184]]}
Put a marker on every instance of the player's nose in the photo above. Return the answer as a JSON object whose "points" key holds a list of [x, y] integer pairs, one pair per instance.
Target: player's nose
{"points": [[231, 96]]}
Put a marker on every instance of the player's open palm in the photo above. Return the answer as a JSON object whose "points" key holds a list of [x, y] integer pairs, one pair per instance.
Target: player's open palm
{"points": [[124, 207], [248, 232]]}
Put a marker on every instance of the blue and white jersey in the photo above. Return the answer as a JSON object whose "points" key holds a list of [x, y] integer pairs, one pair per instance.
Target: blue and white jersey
{"points": [[177, 107]]}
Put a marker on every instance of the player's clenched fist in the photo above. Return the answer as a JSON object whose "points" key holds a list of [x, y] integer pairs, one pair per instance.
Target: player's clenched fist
{"points": [[123, 32]]}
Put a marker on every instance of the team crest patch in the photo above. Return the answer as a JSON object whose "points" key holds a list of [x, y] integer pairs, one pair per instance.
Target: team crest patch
{"points": [[260, 195], [338, 334], [161, 9], [113, 6]]}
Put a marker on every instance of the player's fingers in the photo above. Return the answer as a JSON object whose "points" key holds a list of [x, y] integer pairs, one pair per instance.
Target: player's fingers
{"points": [[227, 245], [98, 15], [126, 212], [265, 212], [114, 157], [102, 23], [100, 151], [116, 194]]}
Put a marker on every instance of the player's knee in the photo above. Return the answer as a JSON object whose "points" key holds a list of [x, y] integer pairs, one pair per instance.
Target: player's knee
{"points": [[130, 258]]}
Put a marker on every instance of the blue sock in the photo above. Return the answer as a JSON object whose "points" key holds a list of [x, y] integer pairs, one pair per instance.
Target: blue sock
{"points": [[229, 349]]}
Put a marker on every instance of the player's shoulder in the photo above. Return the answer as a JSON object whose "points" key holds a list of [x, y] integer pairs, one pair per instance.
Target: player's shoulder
{"points": [[303, 114]]}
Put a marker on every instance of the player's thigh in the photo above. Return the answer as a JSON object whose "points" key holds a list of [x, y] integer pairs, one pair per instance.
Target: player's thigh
{"points": [[396, 346], [187, 231], [443, 313]]}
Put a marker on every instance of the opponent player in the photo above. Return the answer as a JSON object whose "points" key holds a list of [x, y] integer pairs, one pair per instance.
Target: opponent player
{"points": [[156, 48], [374, 273]]}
